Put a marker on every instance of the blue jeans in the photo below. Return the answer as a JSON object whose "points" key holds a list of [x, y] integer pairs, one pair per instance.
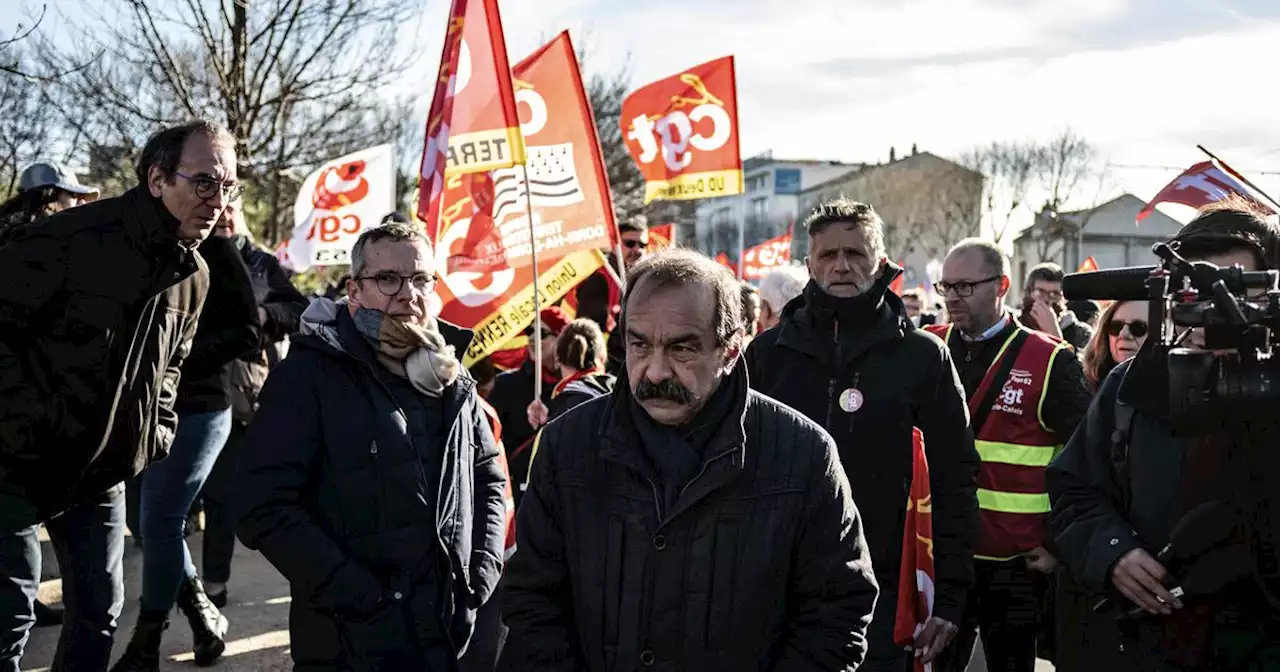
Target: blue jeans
{"points": [[168, 489], [89, 542]]}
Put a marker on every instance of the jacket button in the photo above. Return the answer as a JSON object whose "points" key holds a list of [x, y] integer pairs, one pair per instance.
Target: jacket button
{"points": [[647, 658], [1115, 542], [398, 595], [659, 542]]}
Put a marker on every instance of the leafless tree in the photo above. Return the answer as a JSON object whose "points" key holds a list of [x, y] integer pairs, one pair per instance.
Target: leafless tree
{"points": [[1008, 168], [26, 123], [295, 81], [1063, 165]]}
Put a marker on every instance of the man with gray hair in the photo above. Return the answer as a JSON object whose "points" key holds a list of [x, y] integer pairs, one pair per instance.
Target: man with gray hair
{"points": [[777, 289], [685, 522], [1008, 371], [882, 378], [97, 315], [370, 477]]}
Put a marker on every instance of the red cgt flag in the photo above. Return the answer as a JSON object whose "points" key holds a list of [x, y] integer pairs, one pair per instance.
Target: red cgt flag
{"points": [[1200, 185], [682, 132], [916, 576], [472, 126], [758, 260], [662, 237]]}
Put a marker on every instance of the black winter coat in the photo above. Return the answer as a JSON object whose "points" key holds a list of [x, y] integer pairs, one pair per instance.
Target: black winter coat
{"points": [[908, 380], [229, 327], [336, 498], [759, 565], [579, 392], [98, 308], [273, 291], [512, 393]]}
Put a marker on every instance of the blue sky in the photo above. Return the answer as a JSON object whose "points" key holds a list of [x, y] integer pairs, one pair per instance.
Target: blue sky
{"points": [[1145, 80]]}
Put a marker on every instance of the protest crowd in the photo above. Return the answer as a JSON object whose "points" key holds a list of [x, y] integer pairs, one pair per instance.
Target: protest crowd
{"points": [[617, 452]]}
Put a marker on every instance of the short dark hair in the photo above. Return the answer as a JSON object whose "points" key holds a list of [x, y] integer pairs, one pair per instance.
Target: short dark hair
{"points": [[679, 267], [851, 213], [634, 225], [581, 345], [1044, 272], [1235, 223], [394, 232], [164, 148]]}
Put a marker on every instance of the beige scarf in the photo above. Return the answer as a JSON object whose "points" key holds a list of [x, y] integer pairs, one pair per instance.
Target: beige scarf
{"points": [[417, 353]]}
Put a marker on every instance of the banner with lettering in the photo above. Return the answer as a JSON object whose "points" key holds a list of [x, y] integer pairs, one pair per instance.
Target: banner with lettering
{"points": [[682, 132], [758, 260], [336, 202], [485, 244], [472, 125]]}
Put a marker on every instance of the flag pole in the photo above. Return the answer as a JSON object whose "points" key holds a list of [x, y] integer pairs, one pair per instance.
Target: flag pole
{"points": [[537, 298], [1242, 178]]}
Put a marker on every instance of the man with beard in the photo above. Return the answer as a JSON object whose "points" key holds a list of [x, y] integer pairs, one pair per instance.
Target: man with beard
{"points": [[1027, 392], [685, 522], [883, 377], [1045, 309]]}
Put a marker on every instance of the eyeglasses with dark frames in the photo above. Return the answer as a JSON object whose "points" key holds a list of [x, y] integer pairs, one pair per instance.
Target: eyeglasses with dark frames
{"points": [[390, 283], [207, 187], [962, 288]]}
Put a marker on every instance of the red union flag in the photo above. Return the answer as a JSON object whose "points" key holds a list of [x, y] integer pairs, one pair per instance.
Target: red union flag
{"points": [[1089, 264], [916, 575], [1200, 185], [682, 132], [757, 261], [723, 260], [662, 237], [485, 241], [472, 125]]}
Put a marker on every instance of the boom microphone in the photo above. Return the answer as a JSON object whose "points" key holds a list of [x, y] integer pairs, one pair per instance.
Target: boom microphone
{"points": [[1118, 284]]}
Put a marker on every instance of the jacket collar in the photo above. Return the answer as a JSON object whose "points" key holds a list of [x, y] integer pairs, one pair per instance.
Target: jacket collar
{"points": [[801, 330], [151, 226]]}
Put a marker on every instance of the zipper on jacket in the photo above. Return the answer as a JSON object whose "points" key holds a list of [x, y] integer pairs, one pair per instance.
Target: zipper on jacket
{"points": [[835, 371], [379, 500]]}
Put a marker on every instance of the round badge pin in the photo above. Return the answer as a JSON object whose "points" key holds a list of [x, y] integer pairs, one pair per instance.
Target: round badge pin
{"points": [[851, 400]]}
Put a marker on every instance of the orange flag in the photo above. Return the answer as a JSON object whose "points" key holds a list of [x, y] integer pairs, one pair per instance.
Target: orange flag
{"points": [[758, 260], [472, 125], [484, 246], [723, 260], [899, 283], [916, 576], [682, 132], [1088, 265], [662, 237]]}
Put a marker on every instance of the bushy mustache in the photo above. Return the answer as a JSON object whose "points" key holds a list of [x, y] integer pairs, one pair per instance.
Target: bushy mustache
{"points": [[667, 390]]}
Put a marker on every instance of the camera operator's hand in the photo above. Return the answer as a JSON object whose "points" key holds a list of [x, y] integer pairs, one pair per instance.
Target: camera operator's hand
{"points": [[1140, 577], [1041, 560], [1046, 320]]}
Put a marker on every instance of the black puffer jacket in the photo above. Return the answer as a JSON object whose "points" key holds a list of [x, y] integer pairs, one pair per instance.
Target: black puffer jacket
{"points": [[759, 565], [279, 299], [98, 308], [907, 380], [335, 496]]}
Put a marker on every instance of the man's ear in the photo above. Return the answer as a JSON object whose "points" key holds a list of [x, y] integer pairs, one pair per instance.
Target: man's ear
{"points": [[732, 352], [155, 178]]}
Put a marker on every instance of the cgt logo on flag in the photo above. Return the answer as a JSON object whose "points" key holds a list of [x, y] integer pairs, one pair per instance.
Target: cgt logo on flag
{"points": [[340, 186]]}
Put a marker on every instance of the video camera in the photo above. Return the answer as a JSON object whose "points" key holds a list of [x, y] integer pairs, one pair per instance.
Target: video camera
{"points": [[1234, 376]]}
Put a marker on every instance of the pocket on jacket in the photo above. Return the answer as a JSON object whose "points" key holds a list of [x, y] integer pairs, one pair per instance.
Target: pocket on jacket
{"points": [[376, 640]]}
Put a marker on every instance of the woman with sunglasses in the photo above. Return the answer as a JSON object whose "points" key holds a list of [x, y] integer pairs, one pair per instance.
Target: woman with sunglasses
{"points": [[1121, 333]]}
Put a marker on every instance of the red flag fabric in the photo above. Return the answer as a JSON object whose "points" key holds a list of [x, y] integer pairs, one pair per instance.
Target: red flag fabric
{"points": [[723, 260], [485, 241], [472, 126], [899, 283], [1088, 265], [915, 579], [508, 498], [662, 237], [758, 260], [682, 132], [1200, 185]]}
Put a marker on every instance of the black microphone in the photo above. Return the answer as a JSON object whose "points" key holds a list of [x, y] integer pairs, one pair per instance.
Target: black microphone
{"points": [[1119, 284], [1203, 528], [1208, 574]]}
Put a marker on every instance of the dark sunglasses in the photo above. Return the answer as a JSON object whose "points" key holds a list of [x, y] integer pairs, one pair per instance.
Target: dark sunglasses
{"points": [[1138, 328], [634, 244]]}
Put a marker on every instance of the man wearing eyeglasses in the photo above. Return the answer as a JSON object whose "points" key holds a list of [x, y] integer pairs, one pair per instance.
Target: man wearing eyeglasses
{"points": [[370, 476], [1045, 309], [97, 314], [1027, 393]]}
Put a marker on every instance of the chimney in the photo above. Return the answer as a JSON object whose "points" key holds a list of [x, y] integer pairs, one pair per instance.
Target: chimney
{"points": [[913, 149], [893, 155]]}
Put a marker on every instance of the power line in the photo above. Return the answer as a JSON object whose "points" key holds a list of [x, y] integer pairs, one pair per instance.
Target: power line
{"points": [[1180, 168]]}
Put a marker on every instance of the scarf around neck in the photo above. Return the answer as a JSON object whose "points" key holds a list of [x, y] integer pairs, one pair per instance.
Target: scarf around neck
{"points": [[417, 353]]}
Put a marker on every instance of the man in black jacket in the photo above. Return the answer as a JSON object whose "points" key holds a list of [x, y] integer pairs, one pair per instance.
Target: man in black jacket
{"points": [[999, 361], [685, 522], [97, 313], [1127, 476], [882, 377], [370, 477]]}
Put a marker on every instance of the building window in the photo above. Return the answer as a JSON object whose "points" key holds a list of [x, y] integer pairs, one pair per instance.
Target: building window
{"points": [[759, 207]]}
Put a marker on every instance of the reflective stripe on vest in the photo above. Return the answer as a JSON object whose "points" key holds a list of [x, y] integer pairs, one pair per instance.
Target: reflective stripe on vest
{"points": [[1016, 454]]}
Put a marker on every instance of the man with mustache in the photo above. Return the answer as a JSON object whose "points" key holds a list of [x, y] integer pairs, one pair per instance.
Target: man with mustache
{"points": [[685, 522], [847, 356]]}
